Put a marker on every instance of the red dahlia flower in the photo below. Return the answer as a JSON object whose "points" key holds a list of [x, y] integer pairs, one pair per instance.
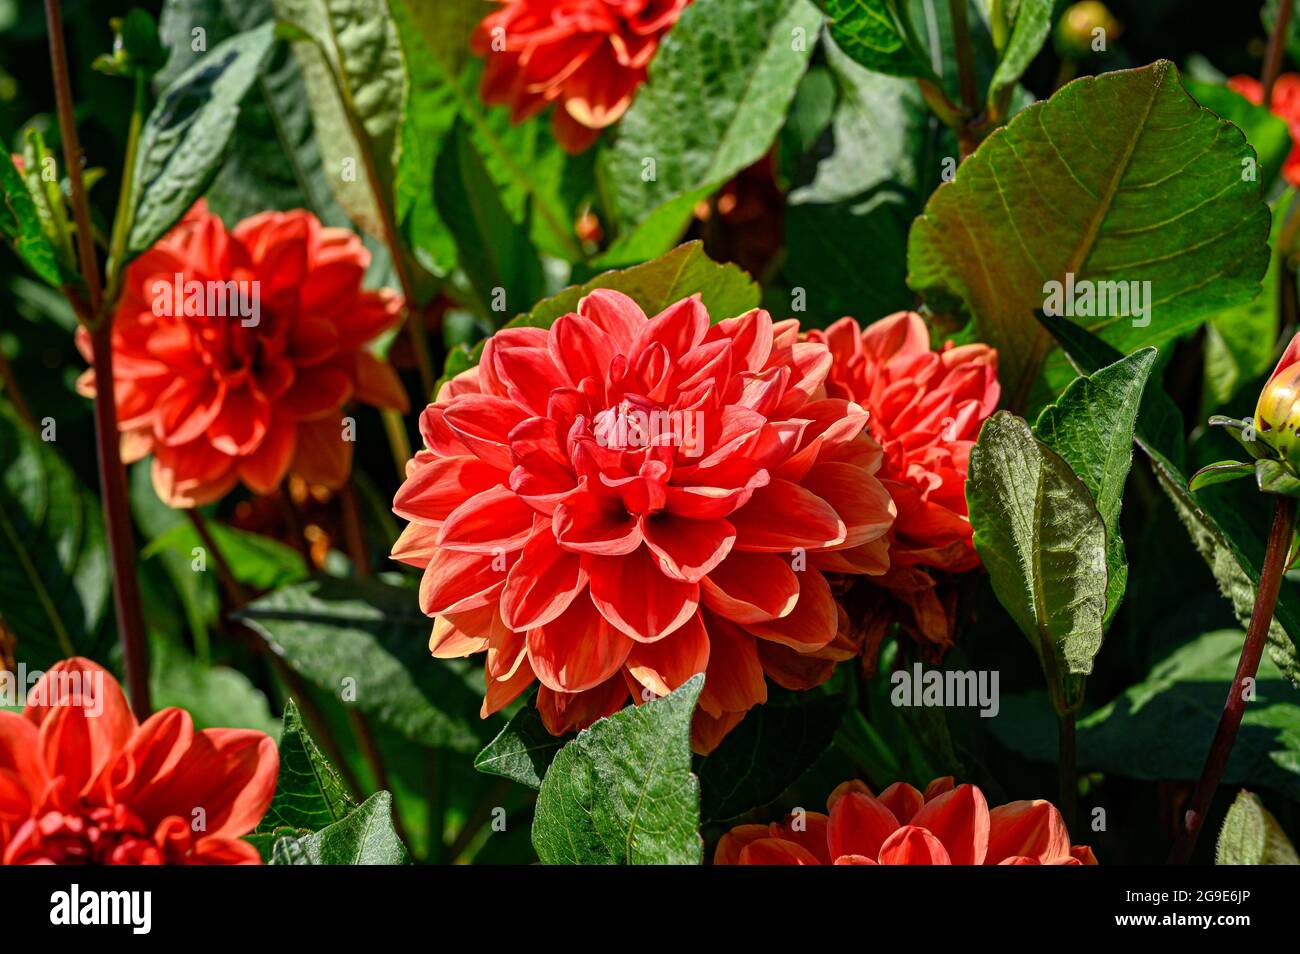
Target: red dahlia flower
{"points": [[234, 352], [82, 783], [1285, 106], [619, 503], [926, 410], [587, 56], [945, 826]]}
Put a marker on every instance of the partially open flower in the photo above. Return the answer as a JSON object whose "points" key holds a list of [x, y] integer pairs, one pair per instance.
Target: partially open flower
{"points": [[82, 783], [1285, 105], [586, 56], [235, 351], [620, 502], [1277, 415], [943, 826]]}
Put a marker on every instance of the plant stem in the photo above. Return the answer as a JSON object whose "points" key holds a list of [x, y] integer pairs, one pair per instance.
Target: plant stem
{"points": [[1270, 582], [15, 393], [112, 477], [234, 591], [1069, 770], [1276, 46], [398, 442], [125, 215], [965, 59]]}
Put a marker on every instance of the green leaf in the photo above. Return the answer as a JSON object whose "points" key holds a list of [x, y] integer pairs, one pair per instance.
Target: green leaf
{"points": [[364, 642], [717, 93], [20, 224], [1161, 728], [771, 748], [256, 561], [880, 35], [274, 161], [351, 62], [1119, 178], [1251, 836], [1033, 21], [1043, 543], [365, 837], [1091, 427], [55, 576], [726, 290], [1220, 473], [494, 252], [622, 792], [1274, 478], [185, 137], [1233, 548], [522, 751], [1267, 133], [863, 195], [309, 795]]}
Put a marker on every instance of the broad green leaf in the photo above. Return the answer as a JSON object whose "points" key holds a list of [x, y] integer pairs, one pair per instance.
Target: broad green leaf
{"points": [[55, 577], [217, 697], [881, 35], [1091, 427], [364, 837], [309, 794], [864, 195], [20, 224], [1161, 728], [1043, 543], [185, 138], [1266, 132], [351, 62], [1029, 29], [522, 751], [494, 252], [771, 749], [1220, 473], [1274, 478], [256, 561], [726, 290], [1233, 547], [1252, 836], [1116, 179], [364, 642], [622, 792], [716, 96], [274, 161]]}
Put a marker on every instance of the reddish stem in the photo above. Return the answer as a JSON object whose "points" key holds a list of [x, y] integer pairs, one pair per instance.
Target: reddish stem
{"points": [[1270, 582], [1276, 45]]}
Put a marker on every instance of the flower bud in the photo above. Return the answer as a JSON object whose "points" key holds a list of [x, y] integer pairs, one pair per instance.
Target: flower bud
{"points": [[1076, 32], [1277, 415]]}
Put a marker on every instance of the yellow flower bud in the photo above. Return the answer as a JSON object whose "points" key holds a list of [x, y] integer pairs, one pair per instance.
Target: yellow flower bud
{"points": [[1277, 415], [1077, 31]]}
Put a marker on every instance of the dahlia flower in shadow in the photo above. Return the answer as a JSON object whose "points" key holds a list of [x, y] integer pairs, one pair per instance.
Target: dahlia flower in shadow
{"points": [[1285, 106], [617, 503], [586, 56], [81, 782], [942, 826], [235, 351], [926, 408]]}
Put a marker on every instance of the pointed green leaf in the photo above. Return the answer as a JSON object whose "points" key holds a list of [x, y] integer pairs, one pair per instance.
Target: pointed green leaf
{"points": [[1220, 473], [1275, 478], [522, 751], [880, 35], [622, 792], [364, 837], [309, 795], [20, 224], [1043, 543], [1029, 29], [185, 138], [1118, 179], [1252, 836], [1091, 427]]}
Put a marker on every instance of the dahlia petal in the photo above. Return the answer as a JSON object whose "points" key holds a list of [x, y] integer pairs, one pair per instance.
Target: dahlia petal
{"points": [[594, 523], [377, 384], [666, 663], [960, 820], [678, 328], [317, 391], [244, 420], [687, 549], [83, 720], [751, 338], [616, 314], [436, 486], [903, 800], [812, 623], [491, 521], [322, 455], [580, 348], [155, 749], [733, 681], [543, 582], [447, 641], [415, 545], [578, 650], [1032, 829], [911, 845], [859, 825], [264, 470], [775, 851], [483, 422], [782, 517], [564, 712], [751, 587], [454, 582], [638, 599], [501, 692], [859, 499]]}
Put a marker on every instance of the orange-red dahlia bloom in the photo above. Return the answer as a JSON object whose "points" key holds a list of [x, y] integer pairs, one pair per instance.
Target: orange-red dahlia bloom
{"points": [[1285, 106], [620, 502], [82, 783], [926, 410], [586, 56], [224, 380], [943, 826]]}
